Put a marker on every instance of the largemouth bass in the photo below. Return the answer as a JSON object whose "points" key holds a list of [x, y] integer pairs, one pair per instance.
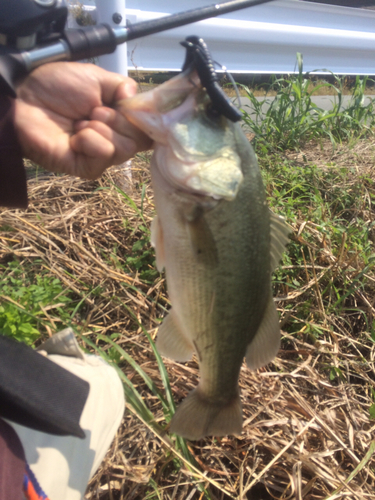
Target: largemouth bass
{"points": [[218, 243]]}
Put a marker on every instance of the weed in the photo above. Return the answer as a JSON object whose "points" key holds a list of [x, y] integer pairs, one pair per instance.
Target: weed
{"points": [[291, 119], [328, 203], [24, 299], [372, 407], [143, 258]]}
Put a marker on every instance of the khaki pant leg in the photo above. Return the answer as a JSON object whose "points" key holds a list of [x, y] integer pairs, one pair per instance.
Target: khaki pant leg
{"points": [[64, 465]]}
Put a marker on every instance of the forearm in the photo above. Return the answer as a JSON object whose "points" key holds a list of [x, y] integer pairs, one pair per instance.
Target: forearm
{"points": [[13, 189]]}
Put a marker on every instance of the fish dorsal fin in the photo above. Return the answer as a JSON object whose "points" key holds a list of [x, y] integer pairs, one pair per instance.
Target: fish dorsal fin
{"points": [[266, 342], [280, 231], [157, 242]]}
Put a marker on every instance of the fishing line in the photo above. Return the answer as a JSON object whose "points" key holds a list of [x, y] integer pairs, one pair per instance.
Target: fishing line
{"points": [[229, 75]]}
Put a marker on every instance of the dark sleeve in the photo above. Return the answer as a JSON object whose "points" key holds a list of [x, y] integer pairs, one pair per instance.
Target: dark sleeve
{"points": [[37, 393], [13, 189]]}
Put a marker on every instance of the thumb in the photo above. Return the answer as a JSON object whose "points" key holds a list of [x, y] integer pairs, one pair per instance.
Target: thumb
{"points": [[126, 89]]}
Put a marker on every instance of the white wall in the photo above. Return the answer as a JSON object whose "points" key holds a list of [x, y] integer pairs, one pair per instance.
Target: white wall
{"points": [[261, 39]]}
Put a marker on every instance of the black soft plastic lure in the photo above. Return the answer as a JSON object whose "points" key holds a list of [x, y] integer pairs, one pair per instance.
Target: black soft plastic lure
{"points": [[199, 57]]}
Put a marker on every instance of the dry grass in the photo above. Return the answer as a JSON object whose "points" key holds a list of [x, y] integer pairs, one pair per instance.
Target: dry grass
{"points": [[305, 436], [360, 155], [258, 88]]}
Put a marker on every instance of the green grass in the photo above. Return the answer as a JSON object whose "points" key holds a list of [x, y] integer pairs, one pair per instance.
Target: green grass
{"points": [[336, 237], [292, 119]]}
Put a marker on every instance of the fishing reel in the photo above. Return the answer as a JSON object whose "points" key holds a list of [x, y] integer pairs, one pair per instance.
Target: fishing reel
{"points": [[25, 24], [32, 32]]}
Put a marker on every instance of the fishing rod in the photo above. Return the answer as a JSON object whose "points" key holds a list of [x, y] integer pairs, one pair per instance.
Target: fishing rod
{"points": [[32, 33]]}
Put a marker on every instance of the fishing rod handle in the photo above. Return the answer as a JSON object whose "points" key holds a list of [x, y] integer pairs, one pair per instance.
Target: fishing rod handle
{"points": [[77, 44]]}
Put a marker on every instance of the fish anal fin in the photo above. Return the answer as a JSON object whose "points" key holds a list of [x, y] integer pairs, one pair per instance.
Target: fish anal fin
{"points": [[171, 341], [157, 242], [197, 417], [280, 231], [266, 342]]}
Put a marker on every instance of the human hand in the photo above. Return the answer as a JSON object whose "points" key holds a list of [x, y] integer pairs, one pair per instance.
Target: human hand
{"points": [[63, 124]]}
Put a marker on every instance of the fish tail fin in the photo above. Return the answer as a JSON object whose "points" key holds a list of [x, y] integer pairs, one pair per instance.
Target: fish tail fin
{"points": [[196, 417]]}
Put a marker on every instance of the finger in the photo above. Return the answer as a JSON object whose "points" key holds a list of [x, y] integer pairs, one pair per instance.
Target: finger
{"points": [[115, 87], [124, 147], [121, 125], [72, 89], [93, 152], [126, 89], [112, 118], [81, 124]]}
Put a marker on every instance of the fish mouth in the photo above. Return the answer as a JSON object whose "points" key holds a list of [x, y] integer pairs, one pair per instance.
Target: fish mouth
{"points": [[195, 150], [155, 110]]}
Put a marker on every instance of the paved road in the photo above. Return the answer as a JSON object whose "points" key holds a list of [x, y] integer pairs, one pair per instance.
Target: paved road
{"points": [[324, 102]]}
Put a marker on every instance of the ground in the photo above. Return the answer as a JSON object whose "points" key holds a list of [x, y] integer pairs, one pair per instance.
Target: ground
{"points": [[308, 416]]}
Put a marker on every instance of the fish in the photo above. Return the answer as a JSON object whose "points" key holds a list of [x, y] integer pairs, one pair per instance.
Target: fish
{"points": [[218, 242]]}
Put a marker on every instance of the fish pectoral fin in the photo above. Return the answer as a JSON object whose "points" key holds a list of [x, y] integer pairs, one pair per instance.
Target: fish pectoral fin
{"points": [[202, 243], [280, 231], [157, 242], [197, 417], [200, 237], [171, 342], [266, 342]]}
